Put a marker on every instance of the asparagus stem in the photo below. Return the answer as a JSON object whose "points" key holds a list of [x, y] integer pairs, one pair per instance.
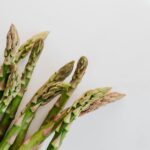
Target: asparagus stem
{"points": [[64, 126], [10, 112], [13, 86], [62, 73], [76, 79], [23, 121], [29, 68], [9, 56], [47, 129], [44, 131]]}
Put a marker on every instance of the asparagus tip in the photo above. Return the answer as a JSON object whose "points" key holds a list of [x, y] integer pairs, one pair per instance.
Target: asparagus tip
{"points": [[12, 43], [116, 96], [12, 26], [71, 63], [14, 30], [42, 35], [84, 57], [64, 71], [106, 89], [108, 98]]}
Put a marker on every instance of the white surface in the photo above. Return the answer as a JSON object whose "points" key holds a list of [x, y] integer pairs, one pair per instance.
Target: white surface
{"points": [[115, 36]]}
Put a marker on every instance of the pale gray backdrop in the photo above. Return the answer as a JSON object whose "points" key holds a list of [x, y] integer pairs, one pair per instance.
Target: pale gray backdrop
{"points": [[115, 36]]}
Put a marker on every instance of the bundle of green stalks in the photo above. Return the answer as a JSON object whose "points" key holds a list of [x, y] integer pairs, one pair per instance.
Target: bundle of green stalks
{"points": [[14, 84]]}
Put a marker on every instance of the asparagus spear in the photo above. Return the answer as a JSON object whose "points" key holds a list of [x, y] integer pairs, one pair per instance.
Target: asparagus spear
{"points": [[77, 77], [12, 88], [77, 111], [9, 56], [62, 129], [10, 112], [40, 98], [48, 128], [62, 73]]}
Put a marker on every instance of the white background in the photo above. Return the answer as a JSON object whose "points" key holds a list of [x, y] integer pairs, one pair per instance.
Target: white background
{"points": [[115, 36]]}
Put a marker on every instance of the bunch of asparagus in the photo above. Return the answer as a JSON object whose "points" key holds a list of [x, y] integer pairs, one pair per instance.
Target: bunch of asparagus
{"points": [[13, 86]]}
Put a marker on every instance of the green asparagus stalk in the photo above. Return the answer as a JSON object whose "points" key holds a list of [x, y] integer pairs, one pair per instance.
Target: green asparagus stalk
{"points": [[13, 86], [40, 98], [62, 73], [110, 97], [77, 77], [10, 112], [48, 128], [29, 68], [9, 56], [79, 110], [39, 136]]}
